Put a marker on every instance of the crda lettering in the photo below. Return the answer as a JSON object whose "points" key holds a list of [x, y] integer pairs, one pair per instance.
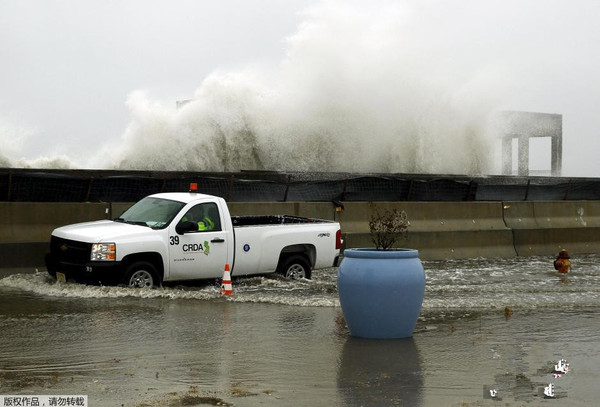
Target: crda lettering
{"points": [[193, 247]]}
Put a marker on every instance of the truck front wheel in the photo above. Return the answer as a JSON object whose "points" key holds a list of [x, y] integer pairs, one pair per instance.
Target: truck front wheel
{"points": [[141, 274], [294, 267]]}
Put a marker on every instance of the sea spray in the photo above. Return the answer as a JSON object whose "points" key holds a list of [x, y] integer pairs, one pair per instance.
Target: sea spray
{"points": [[13, 135], [377, 87], [356, 91]]}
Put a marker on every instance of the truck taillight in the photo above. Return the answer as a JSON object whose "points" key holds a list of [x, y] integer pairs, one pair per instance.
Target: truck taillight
{"points": [[338, 239]]}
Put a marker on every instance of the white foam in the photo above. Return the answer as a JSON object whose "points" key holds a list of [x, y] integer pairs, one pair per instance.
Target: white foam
{"points": [[40, 283], [252, 290], [354, 91]]}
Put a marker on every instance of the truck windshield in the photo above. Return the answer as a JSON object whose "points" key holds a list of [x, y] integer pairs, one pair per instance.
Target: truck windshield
{"points": [[155, 213]]}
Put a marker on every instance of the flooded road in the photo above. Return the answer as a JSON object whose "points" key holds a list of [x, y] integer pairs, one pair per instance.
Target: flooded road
{"points": [[486, 324]]}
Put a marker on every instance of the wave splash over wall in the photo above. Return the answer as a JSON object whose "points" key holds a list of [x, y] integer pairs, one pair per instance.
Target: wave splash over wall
{"points": [[357, 91], [362, 88]]}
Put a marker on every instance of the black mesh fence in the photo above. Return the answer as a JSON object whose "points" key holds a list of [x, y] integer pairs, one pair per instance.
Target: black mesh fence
{"points": [[500, 192], [22, 185], [584, 190], [318, 191], [4, 186], [537, 192], [377, 189], [439, 190], [43, 187], [256, 191], [123, 188]]}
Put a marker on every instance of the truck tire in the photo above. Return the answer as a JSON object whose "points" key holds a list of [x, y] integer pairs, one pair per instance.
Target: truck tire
{"points": [[294, 267], [141, 274]]}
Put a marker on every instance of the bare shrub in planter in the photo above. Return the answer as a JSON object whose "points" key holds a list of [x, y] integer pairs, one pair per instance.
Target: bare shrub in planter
{"points": [[387, 227]]}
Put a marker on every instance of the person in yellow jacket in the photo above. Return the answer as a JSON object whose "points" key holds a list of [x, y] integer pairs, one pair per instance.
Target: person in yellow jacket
{"points": [[206, 224], [202, 216], [562, 264]]}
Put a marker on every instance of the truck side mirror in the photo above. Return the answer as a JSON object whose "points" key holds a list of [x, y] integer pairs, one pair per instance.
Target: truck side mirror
{"points": [[186, 227]]}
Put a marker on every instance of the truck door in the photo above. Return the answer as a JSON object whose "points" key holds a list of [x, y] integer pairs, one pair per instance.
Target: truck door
{"points": [[201, 253]]}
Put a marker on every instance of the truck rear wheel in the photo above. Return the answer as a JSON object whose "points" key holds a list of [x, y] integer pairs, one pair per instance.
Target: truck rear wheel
{"points": [[141, 274], [294, 267]]}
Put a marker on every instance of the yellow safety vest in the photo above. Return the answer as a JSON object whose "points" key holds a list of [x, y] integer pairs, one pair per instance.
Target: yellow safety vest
{"points": [[206, 224]]}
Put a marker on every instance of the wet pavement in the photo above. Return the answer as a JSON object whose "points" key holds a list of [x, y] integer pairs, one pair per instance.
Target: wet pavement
{"points": [[485, 324]]}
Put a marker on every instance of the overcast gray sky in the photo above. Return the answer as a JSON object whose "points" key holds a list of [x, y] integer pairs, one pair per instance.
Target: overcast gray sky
{"points": [[90, 82]]}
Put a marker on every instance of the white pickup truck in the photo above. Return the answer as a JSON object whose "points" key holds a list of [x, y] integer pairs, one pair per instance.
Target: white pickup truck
{"points": [[189, 236]]}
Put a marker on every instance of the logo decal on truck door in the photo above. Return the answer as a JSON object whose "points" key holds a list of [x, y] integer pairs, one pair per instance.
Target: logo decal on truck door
{"points": [[197, 248]]}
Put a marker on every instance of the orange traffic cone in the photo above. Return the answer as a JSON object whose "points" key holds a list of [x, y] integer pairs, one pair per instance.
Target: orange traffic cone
{"points": [[226, 286]]}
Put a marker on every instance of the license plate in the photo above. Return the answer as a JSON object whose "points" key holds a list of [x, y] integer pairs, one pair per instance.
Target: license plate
{"points": [[61, 277]]}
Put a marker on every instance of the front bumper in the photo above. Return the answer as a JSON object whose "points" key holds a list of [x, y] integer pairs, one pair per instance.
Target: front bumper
{"points": [[107, 273]]}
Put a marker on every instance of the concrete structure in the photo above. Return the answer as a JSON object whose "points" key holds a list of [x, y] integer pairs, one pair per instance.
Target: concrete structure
{"points": [[523, 126], [439, 230]]}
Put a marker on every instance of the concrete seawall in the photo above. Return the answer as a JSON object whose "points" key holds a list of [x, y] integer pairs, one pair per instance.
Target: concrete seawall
{"points": [[439, 230]]}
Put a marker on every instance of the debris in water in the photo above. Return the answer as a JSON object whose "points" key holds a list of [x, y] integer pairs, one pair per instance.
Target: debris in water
{"points": [[549, 391], [237, 392], [189, 400], [562, 367]]}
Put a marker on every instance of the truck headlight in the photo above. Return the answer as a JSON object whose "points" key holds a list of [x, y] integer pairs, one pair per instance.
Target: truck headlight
{"points": [[104, 252]]}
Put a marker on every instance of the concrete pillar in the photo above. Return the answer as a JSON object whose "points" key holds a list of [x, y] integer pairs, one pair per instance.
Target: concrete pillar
{"points": [[556, 168], [507, 157], [523, 156]]}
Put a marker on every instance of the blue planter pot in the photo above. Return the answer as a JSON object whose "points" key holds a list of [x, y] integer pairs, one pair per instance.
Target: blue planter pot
{"points": [[381, 292]]}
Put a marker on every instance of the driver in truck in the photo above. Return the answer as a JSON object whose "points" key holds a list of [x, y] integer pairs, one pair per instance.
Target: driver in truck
{"points": [[207, 222], [204, 215]]}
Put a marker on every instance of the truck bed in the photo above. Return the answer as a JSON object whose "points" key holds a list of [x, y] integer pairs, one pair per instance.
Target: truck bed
{"points": [[263, 220]]}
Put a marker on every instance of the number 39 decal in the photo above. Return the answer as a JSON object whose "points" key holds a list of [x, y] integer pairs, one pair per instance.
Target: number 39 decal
{"points": [[174, 240]]}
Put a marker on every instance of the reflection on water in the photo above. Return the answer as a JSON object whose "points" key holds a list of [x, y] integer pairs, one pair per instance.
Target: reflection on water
{"points": [[380, 373], [128, 349], [284, 343]]}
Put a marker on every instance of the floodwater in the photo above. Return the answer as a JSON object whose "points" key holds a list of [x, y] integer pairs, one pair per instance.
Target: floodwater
{"points": [[486, 324]]}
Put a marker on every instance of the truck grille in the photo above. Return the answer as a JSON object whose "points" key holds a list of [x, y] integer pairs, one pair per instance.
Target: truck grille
{"points": [[70, 251]]}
